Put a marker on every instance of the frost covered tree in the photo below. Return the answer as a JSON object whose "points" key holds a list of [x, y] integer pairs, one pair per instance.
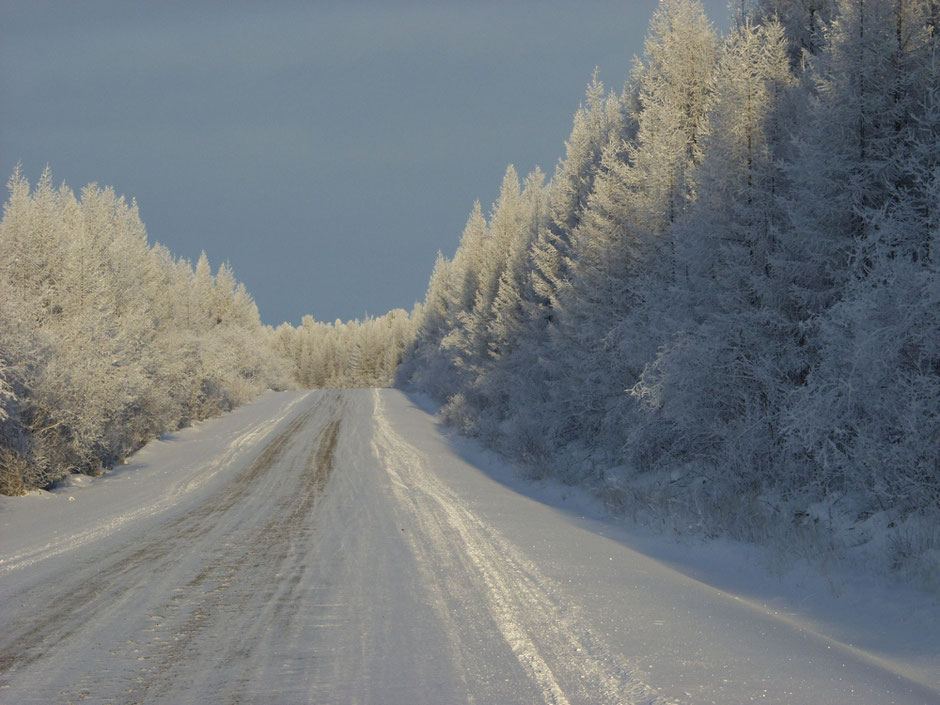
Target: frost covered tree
{"points": [[676, 92], [429, 364], [514, 290], [107, 341], [357, 353], [853, 153], [470, 342], [870, 301], [513, 372], [600, 120], [805, 23], [641, 188], [713, 388]]}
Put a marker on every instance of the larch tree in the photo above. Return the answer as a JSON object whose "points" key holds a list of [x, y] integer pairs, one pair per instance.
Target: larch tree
{"points": [[713, 388], [641, 189], [106, 340], [805, 23], [861, 253]]}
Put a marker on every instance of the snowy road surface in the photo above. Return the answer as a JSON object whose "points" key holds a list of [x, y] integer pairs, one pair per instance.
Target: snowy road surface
{"points": [[333, 547]]}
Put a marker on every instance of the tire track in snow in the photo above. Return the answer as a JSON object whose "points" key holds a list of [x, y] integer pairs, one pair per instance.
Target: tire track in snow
{"points": [[543, 631], [57, 616], [227, 590], [201, 475]]}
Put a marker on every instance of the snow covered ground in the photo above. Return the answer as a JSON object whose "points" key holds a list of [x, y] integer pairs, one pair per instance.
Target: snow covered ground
{"points": [[336, 547]]}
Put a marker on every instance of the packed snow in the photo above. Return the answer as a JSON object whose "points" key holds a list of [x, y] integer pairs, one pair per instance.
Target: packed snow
{"points": [[337, 547]]}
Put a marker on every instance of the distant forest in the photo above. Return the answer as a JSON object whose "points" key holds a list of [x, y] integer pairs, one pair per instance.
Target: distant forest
{"points": [[724, 304]]}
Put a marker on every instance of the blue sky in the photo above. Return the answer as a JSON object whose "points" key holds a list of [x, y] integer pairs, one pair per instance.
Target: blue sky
{"points": [[326, 149]]}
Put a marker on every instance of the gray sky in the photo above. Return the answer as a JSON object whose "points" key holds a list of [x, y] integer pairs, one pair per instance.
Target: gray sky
{"points": [[326, 149]]}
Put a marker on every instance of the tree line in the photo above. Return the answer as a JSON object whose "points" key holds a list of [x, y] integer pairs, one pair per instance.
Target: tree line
{"points": [[727, 293], [107, 341], [340, 355], [725, 298]]}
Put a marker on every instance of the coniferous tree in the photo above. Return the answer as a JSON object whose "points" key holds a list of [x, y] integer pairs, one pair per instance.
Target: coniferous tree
{"points": [[736, 278], [106, 341], [712, 390], [641, 189], [867, 280]]}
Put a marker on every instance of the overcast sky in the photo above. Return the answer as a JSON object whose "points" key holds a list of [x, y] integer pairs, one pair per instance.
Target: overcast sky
{"points": [[326, 149]]}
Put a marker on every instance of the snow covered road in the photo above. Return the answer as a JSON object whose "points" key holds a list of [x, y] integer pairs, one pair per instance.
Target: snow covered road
{"points": [[334, 547]]}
